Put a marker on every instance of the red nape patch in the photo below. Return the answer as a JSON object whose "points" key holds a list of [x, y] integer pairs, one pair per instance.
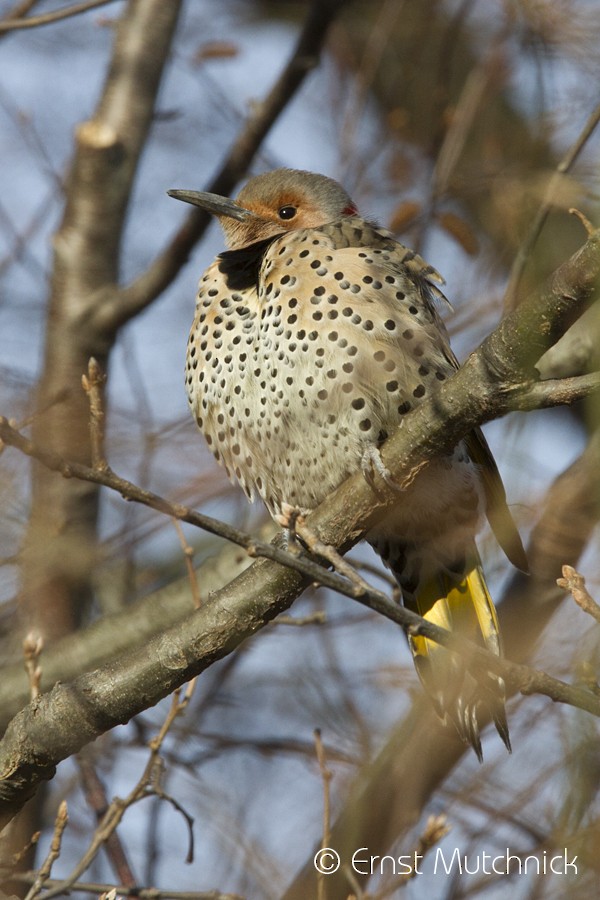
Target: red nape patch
{"points": [[350, 211]]}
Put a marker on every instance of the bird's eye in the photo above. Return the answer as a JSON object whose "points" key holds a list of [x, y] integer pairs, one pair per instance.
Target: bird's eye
{"points": [[287, 212]]}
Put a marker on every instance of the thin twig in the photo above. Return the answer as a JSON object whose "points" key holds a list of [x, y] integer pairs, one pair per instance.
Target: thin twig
{"points": [[325, 551], [326, 777], [147, 785], [24, 851], [316, 618], [20, 424], [188, 555], [375, 570], [92, 887], [378, 39], [161, 273], [21, 9], [527, 245], [97, 800], [130, 491], [92, 384], [48, 18], [465, 113], [573, 582], [33, 644], [59, 826], [436, 827], [573, 211]]}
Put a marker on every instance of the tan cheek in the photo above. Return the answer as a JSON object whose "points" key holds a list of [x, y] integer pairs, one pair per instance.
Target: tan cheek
{"points": [[265, 212], [308, 218]]}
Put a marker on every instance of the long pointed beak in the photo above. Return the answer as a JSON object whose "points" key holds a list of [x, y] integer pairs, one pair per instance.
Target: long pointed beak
{"points": [[213, 203]]}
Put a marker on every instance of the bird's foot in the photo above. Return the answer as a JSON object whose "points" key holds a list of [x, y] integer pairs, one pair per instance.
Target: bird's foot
{"points": [[372, 464], [289, 517]]}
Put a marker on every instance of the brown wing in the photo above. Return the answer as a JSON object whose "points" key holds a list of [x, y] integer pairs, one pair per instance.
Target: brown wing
{"points": [[497, 510]]}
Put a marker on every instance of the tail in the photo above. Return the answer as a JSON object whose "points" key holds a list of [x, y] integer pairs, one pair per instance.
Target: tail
{"points": [[456, 598]]}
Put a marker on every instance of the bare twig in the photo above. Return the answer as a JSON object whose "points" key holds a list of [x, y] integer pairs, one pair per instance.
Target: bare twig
{"points": [[188, 554], [511, 296], [59, 826], [326, 777], [573, 582], [48, 18], [147, 785], [382, 32], [141, 893], [436, 827], [469, 105], [33, 645], [92, 384], [305, 56], [558, 392], [130, 491], [583, 219], [98, 803], [376, 571], [21, 9], [23, 852], [316, 618]]}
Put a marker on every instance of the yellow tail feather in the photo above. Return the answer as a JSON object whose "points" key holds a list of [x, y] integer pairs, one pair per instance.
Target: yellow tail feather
{"points": [[463, 607]]}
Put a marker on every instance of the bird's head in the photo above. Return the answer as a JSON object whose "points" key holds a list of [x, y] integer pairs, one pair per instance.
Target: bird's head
{"points": [[273, 203]]}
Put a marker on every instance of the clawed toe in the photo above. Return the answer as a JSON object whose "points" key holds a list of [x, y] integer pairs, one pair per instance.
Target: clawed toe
{"points": [[372, 464]]}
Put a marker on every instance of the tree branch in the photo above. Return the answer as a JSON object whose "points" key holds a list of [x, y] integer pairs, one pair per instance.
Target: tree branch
{"points": [[524, 679], [139, 893], [524, 251], [113, 635], [85, 268], [389, 794], [15, 24], [57, 724], [131, 300], [557, 392]]}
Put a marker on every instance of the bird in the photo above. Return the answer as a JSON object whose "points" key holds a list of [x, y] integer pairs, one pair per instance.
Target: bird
{"points": [[315, 334]]}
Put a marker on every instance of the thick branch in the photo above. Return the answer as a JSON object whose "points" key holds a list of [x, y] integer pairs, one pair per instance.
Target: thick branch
{"points": [[107, 152], [549, 314], [524, 679], [61, 540], [59, 723], [113, 635]]}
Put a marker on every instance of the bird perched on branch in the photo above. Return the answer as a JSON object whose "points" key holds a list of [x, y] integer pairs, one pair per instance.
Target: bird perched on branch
{"points": [[315, 334]]}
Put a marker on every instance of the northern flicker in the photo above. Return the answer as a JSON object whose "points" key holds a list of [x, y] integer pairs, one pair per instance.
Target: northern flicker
{"points": [[315, 333]]}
